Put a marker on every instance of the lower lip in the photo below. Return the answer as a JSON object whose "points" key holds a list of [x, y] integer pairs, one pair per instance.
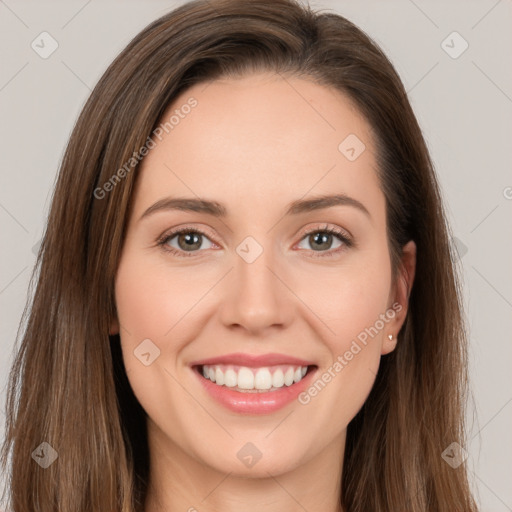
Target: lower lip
{"points": [[255, 402]]}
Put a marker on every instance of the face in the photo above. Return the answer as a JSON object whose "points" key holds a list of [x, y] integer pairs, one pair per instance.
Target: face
{"points": [[260, 282]]}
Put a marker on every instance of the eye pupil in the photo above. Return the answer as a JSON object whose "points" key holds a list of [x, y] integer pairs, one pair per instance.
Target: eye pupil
{"points": [[192, 241], [319, 238]]}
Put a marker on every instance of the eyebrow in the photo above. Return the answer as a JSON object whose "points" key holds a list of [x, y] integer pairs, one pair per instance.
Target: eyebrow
{"points": [[219, 210]]}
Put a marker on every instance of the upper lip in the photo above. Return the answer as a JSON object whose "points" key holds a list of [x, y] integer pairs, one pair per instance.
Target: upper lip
{"points": [[249, 360]]}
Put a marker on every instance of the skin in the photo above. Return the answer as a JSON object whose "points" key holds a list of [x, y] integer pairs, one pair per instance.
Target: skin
{"points": [[255, 144]]}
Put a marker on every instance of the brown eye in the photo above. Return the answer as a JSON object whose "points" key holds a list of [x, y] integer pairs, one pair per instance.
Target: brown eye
{"points": [[189, 241], [185, 241], [326, 240], [323, 240]]}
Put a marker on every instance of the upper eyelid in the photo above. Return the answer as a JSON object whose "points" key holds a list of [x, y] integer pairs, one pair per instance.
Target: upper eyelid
{"points": [[325, 226], [174, 232]]}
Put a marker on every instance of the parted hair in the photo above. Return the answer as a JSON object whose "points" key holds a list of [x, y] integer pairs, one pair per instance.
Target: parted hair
{"points": [[68, 385]]}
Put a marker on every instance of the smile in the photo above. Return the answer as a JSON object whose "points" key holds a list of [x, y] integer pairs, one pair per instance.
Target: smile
{"points": [[249, 384], [256, 380]]}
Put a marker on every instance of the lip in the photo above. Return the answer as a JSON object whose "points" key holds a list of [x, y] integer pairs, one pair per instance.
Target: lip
{"points": [[256, 403], [253, 361]]}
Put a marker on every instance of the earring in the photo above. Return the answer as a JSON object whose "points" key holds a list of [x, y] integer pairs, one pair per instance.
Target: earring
{"points": [[390, 336]]}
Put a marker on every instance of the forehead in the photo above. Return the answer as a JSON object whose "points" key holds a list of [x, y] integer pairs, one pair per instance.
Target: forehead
{"points": [[261, 136]]}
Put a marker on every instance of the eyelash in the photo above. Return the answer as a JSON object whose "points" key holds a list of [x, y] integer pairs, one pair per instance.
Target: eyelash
{"points": [[347, 242]]}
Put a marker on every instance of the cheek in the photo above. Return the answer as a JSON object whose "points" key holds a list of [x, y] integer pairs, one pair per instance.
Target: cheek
{"points": [[352, 311], [148, 309], [150, 306], [351, 302], [150, 300], [349, 299]]}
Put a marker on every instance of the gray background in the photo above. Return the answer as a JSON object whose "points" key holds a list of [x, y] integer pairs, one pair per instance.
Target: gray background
{"points": [[463, 105]]}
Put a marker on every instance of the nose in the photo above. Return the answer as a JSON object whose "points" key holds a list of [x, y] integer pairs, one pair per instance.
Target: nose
{"points": [[256, 296]]}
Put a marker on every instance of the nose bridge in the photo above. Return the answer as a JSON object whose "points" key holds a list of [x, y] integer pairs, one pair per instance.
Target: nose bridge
{"points": [[256, 297]]}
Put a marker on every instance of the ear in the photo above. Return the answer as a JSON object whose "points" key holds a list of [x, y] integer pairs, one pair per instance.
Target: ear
{"points": [[399, 297], [114, 327]]}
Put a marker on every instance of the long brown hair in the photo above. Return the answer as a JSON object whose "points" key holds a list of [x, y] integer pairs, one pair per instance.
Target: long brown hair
{"points": [[68, 385]]}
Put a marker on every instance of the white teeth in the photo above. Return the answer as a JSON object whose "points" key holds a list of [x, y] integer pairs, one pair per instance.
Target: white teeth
{"points": [[263, 379], [256, 379], [245, 378], [219, 377], [288, 376], [230, 378], [278, 378]]}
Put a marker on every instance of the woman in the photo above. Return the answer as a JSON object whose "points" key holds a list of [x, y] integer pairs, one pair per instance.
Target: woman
{"points": [[246, 297]]}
